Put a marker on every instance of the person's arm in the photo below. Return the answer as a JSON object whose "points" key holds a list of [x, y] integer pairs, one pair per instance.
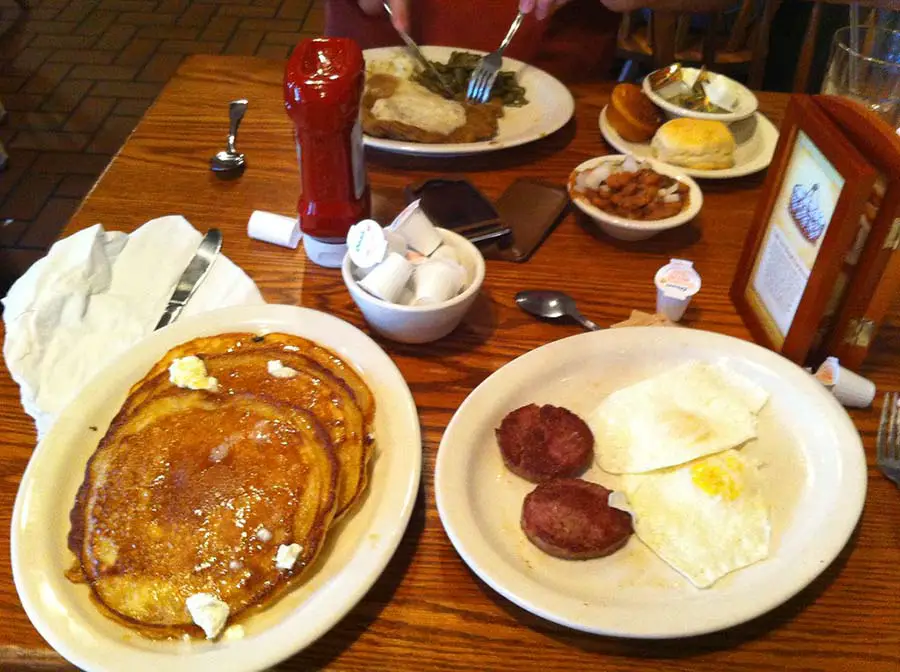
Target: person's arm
{"points": [[399, 8], [674, 5], [543, 8]]}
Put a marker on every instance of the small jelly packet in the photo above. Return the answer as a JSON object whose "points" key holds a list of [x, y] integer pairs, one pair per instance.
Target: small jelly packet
{"points": [[676, 284]]}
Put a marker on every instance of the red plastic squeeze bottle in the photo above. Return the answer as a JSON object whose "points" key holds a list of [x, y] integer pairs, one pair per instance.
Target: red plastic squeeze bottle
{"points": [[323, 86]]}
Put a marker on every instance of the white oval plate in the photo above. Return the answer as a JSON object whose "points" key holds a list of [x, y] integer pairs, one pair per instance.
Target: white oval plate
{"points": [[755, 137], [747, 102], [636, 229], [815, 484], [353, 558], [550, 106]]}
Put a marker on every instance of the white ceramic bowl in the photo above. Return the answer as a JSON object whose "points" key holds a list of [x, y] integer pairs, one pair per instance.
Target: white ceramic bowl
{"points": [[746, 105], [420, 324], [634, 229]]}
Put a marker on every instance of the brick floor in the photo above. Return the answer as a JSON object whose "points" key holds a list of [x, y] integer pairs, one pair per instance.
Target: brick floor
{"points": [[75, 78]]}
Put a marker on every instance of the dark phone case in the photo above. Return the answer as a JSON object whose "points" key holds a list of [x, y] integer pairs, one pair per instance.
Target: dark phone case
{"points": [[528, 208], [531, 209]]}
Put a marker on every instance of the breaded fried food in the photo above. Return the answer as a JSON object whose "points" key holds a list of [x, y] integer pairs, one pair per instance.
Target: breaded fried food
{"points": [[415, 112]]}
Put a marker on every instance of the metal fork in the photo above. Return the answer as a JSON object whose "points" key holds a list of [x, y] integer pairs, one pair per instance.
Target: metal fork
{"points": [[888, 442], [481, 83]]}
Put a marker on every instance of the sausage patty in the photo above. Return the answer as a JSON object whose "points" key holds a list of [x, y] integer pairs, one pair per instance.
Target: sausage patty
{"points": [[543, 442], [571, 519]]}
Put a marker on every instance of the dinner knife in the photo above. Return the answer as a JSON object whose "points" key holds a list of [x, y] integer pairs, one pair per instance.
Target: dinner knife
{"points": [[192, 277], [417, 53]]}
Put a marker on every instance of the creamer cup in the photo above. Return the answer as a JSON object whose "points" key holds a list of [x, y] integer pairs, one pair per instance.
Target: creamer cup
{"points": [[367, 244], [849, 388], [417, 230], [721, 92], [387, 280], [396, 243], [445, 252], [676, 284], [436, 281]]}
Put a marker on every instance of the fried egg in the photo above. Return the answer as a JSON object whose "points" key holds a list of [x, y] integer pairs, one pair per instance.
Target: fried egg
{"points": [[693, 410], [705, 519]]}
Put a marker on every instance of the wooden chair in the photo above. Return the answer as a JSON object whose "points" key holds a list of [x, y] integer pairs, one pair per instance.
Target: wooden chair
{"points": [[807, 52], [667, 37]]}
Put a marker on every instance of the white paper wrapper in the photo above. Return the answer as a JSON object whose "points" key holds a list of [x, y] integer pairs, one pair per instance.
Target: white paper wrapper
{"points": [[276, 229], [848, 387], [416, 229], [387, 279], [436, 281]]}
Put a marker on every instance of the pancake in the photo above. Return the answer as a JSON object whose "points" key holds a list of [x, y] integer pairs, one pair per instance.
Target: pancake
{"points": [[237, 341], [201, 493], [176, 496], [314, 388]]}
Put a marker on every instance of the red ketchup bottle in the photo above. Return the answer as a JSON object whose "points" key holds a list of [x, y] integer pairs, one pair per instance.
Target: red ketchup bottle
{"points": [[323, 86]]}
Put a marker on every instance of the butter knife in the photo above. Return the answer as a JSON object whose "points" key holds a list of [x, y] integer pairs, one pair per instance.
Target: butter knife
{"points": [[418, 55], [192, 277]]}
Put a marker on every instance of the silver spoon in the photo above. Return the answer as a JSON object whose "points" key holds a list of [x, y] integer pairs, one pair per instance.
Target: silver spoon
{"points": [[550, 304], [230, 162]]}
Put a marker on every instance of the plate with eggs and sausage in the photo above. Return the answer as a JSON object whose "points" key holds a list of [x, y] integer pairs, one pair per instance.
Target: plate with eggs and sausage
{"points": [[609, 479]]}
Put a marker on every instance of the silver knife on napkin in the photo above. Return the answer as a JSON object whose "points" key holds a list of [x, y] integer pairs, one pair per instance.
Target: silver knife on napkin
{"points": [[417, 53], [192, 277]]}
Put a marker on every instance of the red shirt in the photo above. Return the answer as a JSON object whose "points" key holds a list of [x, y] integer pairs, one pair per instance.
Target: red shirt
{"points": [[578, 42]]}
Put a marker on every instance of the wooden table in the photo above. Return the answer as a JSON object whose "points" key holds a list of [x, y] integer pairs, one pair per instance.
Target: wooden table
{"points": [[428, 611]]}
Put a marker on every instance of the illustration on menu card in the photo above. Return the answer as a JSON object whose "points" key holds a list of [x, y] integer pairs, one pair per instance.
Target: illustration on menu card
{"points": [[803, 210]]}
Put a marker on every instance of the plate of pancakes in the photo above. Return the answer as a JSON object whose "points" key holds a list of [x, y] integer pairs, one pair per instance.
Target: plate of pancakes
{"points": [[219, 496], [743, 477], [550, 105]]}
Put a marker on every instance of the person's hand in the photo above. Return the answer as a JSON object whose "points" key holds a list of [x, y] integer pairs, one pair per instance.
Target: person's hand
{"points": [[541, 8], [399, 8]]}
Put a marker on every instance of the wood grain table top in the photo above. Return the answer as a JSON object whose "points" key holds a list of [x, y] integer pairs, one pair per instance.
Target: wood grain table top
{"points": [[428, 610]]}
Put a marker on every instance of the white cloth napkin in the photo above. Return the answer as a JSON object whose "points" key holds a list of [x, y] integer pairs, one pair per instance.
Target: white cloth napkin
{"points": [[93, 296]]}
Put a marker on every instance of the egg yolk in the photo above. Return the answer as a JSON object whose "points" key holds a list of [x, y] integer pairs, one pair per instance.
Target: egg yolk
{"points": [[719, 480]]}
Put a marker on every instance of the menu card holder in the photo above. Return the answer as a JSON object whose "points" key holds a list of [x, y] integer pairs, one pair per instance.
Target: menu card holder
{"points": [[876, 280], [792, 275]]}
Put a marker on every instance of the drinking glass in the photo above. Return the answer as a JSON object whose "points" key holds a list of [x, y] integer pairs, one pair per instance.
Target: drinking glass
{"points": [[869, 75]]}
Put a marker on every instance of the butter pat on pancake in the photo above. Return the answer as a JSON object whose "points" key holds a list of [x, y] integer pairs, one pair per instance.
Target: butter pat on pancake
{"points": [[693, 410], [705, 519], [417, 106]]}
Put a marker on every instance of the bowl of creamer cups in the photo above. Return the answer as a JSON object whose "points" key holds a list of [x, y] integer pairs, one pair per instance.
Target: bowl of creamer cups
{"points": [[425, 280]]}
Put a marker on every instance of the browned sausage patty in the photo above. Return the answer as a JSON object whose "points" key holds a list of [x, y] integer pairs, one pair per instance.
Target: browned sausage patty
{"points": [[570, 518], [543, 442]]}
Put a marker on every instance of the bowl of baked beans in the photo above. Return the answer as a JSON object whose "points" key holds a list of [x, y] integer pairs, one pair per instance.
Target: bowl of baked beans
{"points": [[634, 199]]}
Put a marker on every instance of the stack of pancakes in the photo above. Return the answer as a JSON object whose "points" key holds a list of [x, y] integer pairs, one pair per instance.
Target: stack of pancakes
{"points": [[194, 491]]}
